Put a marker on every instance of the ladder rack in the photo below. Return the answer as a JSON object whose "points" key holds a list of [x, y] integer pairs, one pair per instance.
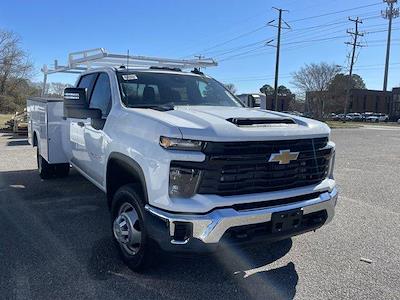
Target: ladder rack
{"points": [[82, 61]]}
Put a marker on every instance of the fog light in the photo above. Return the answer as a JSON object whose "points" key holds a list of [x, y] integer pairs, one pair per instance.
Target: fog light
{"points": [[183, 182], [183, 231]]}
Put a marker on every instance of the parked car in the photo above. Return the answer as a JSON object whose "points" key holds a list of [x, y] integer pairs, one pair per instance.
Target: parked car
{"points": [[353, 117], [340, 117], [333, 116], [365, 115], [185, 166], [378, 118]]}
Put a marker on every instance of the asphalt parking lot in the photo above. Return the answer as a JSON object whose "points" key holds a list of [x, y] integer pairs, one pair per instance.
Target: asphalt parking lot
{"points": [[55, 238]]}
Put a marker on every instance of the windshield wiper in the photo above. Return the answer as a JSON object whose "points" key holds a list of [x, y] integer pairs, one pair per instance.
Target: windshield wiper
{"points": [[159, 107]]}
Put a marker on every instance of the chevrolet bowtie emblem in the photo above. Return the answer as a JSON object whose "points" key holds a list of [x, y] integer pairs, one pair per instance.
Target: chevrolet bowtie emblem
{"points": [[284, 157]]}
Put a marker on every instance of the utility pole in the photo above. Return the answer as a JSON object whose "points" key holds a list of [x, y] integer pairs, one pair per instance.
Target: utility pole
{"points": [[278, 49], [354, 34], [389, 14]]}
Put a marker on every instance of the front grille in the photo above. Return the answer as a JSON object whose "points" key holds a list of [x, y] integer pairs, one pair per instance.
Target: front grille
{"points": [[235, 168]]}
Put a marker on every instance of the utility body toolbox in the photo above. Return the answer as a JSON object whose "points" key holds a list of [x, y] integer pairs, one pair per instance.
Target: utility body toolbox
{"points": [[45, 121]]}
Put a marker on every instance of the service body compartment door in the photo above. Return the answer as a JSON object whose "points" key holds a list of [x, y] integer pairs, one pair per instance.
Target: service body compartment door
{"points": [[45, 121], [55, 122]]}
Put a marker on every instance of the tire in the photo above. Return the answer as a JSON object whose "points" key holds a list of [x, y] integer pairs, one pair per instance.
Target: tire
{"points": [[46, 170], [129, 228]]}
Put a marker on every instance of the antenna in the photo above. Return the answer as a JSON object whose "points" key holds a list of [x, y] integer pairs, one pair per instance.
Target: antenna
{"points": [[127, 61]]}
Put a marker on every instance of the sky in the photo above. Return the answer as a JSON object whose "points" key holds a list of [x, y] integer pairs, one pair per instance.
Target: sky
{"points": [[231, 31]]}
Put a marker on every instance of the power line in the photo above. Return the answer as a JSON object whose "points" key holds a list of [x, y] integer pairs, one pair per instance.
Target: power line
{"points": [[204, 51], [207, 50], [310, 33], [227, 51], [223, 52], [308, 43], [335, 12], [242, 53], [317, 40]]}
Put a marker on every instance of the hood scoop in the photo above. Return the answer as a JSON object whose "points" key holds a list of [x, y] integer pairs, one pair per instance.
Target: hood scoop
{"points": [[261, 122]]}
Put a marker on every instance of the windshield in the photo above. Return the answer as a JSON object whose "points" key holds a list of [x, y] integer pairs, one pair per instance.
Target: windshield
{"points": [[149, 89]]}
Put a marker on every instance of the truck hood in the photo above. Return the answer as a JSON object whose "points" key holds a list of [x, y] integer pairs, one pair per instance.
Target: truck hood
{"points": [[218, 123]]}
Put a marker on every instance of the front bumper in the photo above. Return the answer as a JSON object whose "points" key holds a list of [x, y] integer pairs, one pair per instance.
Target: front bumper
{"points": [[208, 230]]}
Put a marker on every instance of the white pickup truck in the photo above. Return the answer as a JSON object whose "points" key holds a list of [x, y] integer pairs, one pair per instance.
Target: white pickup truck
{"points": [[185, 166]]}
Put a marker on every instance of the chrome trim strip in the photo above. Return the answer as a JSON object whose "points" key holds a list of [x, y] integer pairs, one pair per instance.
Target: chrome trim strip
{"points": [[210, 227]]}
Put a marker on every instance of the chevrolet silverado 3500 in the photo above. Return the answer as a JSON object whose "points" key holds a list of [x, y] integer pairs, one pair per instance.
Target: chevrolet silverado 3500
{"points": [[185, 166]]}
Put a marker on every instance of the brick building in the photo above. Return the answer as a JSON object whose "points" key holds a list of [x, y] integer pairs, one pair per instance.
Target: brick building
{"points": [[395, 113], [360, 101], [370, 101]]}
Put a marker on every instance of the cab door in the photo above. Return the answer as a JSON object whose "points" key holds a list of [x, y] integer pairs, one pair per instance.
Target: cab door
{"points": [[77, 150], [95, 138]]}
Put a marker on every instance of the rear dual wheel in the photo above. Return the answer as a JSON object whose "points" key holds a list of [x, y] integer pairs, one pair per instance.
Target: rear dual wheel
{"points": [[47, 171]]}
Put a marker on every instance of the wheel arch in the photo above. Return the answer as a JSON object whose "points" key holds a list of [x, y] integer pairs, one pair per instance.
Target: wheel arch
{"points": [[122, 169]]}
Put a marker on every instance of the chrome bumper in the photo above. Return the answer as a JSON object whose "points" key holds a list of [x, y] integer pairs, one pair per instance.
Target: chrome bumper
{"points": [[209, 228]]}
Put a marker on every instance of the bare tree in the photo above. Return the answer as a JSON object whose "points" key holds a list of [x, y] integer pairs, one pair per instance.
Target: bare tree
{"points": [[15, 66], [57, 88], [315, 80], [231, 87]]}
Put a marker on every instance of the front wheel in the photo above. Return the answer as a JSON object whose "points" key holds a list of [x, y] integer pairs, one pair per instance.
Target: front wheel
{"points": [[129, 228]]}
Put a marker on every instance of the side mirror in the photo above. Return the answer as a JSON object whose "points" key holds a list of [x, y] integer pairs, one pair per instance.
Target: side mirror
{"points": [[76, 105]]}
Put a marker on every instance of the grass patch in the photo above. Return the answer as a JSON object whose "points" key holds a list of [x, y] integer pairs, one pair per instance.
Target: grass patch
{"points": [[340, 124], [3, 119]]}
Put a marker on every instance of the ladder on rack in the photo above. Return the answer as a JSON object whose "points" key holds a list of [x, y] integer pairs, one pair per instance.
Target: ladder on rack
{"points": [[81, 61]]}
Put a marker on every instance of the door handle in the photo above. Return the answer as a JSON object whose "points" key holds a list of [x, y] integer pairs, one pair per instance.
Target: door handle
{"points": [[81, 124]]}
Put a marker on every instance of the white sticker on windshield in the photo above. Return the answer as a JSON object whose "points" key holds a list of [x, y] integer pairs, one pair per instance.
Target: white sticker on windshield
{"points": [[129, 77]]}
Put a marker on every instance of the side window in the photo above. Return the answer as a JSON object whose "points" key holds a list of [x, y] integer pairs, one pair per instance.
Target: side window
{"points": [[87, 81], [202, 88], [101, 97]]}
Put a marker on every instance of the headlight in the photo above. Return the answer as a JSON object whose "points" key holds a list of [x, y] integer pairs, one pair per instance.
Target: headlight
{"points": [[180, 144], [183, 182], [331, 164]]}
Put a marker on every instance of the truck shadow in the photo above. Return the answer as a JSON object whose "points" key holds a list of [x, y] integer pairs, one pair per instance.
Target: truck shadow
{"points": [[22, 142], [15, 136], [72, 214], [244, 271]]}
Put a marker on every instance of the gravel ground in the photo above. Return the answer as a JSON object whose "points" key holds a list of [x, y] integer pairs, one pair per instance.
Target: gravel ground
{"points": [[55, 238]]}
